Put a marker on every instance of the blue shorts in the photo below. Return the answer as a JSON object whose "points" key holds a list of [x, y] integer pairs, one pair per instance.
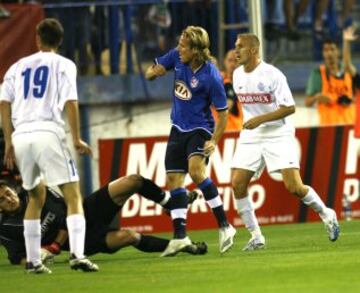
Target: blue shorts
{"points": [[183, 145]]}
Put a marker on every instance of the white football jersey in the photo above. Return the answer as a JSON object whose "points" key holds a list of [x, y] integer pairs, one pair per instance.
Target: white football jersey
{"points": [[38, 86], [262, 91]]}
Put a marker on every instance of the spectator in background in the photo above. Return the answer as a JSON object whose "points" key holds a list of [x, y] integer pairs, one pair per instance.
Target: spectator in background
{"points": [[195, 12], [331, 86], [345, 16], [290, 12], [76, 21], [235, 117], [159, 15], [77, 28], [98, 36], [321, 6], [344, 19]]}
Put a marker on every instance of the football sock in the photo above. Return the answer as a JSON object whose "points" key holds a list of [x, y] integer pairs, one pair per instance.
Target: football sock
{"points": [[149, 243], [213, 199], [313, 200], [178, 212], [76, 229], [153, 192], [246, 211], [32, 235]]}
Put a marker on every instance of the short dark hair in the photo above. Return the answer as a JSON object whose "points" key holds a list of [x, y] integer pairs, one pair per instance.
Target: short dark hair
{"points": [[252, 38], [330, 41], [51, 32]]}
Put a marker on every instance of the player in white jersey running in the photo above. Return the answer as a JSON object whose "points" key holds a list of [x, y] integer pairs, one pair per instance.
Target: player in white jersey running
{"points": [[267, 138], [35, 91]]}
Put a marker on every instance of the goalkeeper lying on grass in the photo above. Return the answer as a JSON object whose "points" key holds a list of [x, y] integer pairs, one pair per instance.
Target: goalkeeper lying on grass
{"points": [[100, 209]]}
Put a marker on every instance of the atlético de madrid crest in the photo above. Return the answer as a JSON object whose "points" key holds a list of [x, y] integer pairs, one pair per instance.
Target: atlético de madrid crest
{"points": [[194, 82]]}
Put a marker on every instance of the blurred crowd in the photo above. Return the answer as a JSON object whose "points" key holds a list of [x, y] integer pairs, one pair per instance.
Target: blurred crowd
{"points": [[155, 27]]}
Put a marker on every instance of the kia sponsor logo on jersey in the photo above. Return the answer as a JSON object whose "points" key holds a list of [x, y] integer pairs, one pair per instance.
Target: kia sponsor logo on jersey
{"points": [[262, 98], [182, 91]]}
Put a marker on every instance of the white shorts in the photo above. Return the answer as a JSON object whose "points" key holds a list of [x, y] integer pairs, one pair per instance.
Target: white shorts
{"points": [[43, 152], [275, 153]]}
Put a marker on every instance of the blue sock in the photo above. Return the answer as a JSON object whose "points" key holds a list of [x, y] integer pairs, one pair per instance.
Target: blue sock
{"points": [[213, 199], [179, 202]]}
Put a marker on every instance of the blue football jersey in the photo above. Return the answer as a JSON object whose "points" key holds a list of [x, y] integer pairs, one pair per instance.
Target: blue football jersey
{"points": [[194, 93]]}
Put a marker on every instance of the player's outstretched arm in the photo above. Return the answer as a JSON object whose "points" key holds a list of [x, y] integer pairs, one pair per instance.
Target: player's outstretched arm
{"points": [[280, 113], [317, 98], [348, 37], [8, 129], [313, 90], [220, 126], [72, 112], [155, 71]]}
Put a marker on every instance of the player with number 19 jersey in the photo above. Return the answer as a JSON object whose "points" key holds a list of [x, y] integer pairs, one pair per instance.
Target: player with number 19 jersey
{"points": [[194, 92], [38, 86]]}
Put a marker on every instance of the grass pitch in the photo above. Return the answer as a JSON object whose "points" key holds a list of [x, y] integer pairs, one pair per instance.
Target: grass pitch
{"points": [[298, 258]]}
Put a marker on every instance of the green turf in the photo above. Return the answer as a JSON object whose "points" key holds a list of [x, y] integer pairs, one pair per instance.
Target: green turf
{"points": [[298, 258]]}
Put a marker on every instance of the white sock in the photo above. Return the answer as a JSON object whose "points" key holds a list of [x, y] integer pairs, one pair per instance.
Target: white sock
{"points": [[178, 214], [246, 211], [215, 202], [166, 198], [76, 229], [313, 200], [32, 235]]}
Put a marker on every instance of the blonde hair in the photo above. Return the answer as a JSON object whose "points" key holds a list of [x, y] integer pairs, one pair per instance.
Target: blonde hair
{"points": [[198, 40]]}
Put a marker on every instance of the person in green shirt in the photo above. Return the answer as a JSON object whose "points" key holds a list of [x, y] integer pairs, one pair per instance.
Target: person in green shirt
{"points": [[331, 85]]}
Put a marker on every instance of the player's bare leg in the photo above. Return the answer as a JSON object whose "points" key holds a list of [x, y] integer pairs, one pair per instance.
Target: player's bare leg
{"points": [[120, 190], [76, 227], [308, 196], [240, 179]]}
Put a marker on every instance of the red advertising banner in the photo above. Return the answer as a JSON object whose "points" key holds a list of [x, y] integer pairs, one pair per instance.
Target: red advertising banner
{"points": [[329, 163], [17, 33]]}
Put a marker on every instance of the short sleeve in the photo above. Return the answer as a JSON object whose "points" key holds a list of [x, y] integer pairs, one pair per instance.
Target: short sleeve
{"points": [[282, 91], [314, 83], [67, 84], [169, 59], [8, 86], [217, 91]]}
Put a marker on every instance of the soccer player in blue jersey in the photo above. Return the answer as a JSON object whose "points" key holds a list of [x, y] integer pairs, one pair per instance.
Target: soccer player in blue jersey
{"points": [[193, 137]]}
